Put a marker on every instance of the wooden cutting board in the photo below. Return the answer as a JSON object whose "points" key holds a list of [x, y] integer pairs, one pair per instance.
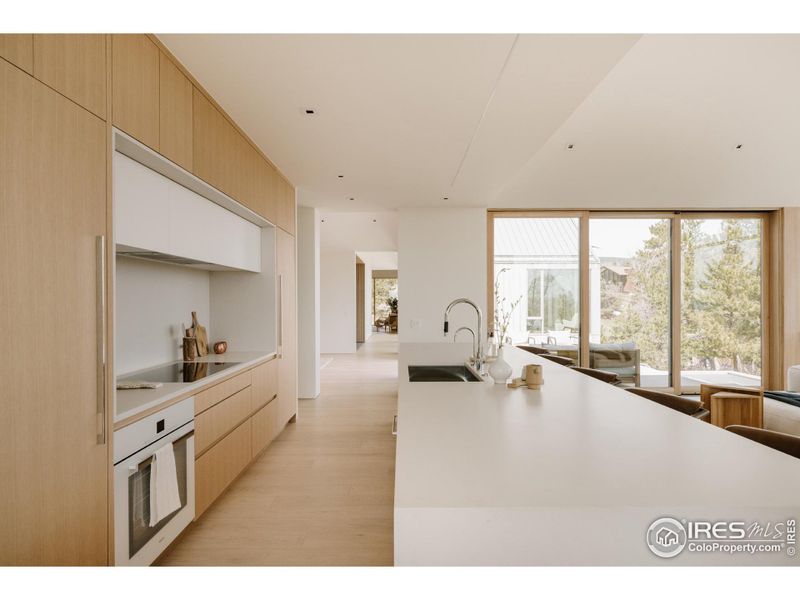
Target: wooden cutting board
{"points": [[200, 335]]}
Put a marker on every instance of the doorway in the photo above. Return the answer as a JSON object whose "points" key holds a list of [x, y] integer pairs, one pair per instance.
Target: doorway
{"points": [[360, 291]]}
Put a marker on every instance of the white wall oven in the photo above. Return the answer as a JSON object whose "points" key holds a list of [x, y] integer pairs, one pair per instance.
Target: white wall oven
{"points": [[140, 538]]}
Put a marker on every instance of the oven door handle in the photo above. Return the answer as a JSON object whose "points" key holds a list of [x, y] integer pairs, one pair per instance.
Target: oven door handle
{"points": [[138, 467]]}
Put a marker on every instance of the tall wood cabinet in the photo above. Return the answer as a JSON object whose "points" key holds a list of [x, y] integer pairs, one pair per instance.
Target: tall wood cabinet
{"points": [[53, 467], [74, 65], [287, 327], [59, 97], [135, 88], [17, 48]]}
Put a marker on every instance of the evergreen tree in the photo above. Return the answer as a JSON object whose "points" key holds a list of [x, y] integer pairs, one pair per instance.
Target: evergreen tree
{"points": [[729, 303], [645, 317]]}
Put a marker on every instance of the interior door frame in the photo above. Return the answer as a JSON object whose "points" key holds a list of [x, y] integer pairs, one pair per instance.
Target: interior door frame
{"points": [[768, 264]]}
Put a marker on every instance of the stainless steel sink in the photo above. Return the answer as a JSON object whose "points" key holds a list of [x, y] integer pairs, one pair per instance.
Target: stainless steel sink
{"points": [[453, 373]]}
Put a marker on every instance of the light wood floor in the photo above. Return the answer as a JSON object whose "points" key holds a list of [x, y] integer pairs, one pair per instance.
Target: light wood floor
{"points": [[323, 492]]}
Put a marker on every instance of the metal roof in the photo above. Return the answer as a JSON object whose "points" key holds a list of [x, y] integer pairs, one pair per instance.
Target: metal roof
{"points": [[542, 239]]}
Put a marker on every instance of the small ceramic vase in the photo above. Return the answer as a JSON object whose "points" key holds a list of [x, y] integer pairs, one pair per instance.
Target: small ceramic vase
{"points": [[500, 370]]}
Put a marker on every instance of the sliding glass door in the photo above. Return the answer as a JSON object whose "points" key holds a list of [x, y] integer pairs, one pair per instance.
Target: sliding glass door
{"points": [[665, 300], [721, 301], [537, 281], [630, 331]]}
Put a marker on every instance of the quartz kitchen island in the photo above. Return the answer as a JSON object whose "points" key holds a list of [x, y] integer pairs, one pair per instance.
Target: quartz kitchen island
{"points": [[573, 474]]}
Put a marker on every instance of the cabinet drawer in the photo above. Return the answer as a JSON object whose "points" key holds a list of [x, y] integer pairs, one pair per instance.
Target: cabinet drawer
{"points": [[208, 398], [218, 467], [221, 418], [265, 383], [265, 426]]}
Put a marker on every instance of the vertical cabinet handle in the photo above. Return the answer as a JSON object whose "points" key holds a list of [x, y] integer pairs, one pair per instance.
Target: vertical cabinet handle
{"points": [[280, 316], [100, 250], [394, 425]]}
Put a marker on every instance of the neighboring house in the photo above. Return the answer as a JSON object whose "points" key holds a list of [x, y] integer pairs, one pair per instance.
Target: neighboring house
{"points": [[541, 258], [618, 275]]}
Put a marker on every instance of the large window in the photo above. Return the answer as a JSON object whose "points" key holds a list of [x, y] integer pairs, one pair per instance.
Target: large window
{"points": [[537, 280], [630, 297], [721, 301], [671, 300]]}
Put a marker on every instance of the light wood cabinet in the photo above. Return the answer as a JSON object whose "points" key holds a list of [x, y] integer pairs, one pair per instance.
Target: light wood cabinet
{"points": [[265, 426], [217, 468], [265, 383], [74, 65], [267, 182], [208, 398], [135, 88], [226, 160], [286, 206], [287, 327], [17, 48], [175, 113], [221, 419], [212, 143], [54, 470]]}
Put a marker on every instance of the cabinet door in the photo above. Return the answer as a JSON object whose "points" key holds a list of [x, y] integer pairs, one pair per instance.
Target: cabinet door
{"points": [[264, 427], [53, 467], [74, 65], [222, 156], [222, 418], [175, 114], [265, 383], [217, 468], [17, 48], [267, 182], [287, 328], [135, 65], [286, 205], [212, 142]]}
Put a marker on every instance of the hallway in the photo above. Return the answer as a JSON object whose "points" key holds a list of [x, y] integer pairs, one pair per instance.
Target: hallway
{"points": [[323, 492]]}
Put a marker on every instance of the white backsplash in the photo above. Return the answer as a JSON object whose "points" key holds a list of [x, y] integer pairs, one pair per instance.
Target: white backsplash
{"points": [[152, 300]]}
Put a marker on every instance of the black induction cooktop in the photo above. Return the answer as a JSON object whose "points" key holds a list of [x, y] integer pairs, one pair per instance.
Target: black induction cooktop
{"points": [[180, 372]]}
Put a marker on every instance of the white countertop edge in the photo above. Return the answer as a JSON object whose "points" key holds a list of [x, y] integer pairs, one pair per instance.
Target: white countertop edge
{"points": [[244, 364]]}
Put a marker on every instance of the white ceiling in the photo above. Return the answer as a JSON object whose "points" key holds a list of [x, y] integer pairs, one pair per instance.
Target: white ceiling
{"points": [[485, 119]]}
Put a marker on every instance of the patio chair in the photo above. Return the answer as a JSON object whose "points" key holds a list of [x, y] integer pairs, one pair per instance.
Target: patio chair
{"points": [[688, 406], [604, 376], [782, 442]]}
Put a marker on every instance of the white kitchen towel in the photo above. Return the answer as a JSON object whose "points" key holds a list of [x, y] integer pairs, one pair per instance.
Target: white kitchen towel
{"points": [[164, 495]]}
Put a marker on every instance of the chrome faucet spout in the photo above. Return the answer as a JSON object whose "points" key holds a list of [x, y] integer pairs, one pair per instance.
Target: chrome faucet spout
{"points": [[477, 338]]}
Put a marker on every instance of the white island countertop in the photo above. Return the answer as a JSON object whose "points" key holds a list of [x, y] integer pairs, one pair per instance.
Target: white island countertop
{"points": [[572, 474], [131, 404]]}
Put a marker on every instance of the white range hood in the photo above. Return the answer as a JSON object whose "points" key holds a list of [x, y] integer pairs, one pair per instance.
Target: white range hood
{"points": [[156, 218]]}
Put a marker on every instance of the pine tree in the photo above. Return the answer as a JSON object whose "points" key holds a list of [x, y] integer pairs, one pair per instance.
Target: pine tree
{"points": [[729, 299], [645, 316]]}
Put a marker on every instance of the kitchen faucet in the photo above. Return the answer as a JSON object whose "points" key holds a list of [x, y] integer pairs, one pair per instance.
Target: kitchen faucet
{"points": [[477, 346], [455, 336]]}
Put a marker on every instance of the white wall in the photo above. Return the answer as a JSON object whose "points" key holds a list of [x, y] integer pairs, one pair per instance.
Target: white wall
{"points": [[152, 300], [337, 281], [243, 305], [308, 302], [367, 301], [442, 256], [341, 236]]}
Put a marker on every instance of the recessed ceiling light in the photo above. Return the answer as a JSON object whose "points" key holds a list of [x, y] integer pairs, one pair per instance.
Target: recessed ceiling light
{"points": [[322, 221], [309, 111], [340, 176], [445, 198], [351, 199], [570, 146], [738, 146], [374, 220]]}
